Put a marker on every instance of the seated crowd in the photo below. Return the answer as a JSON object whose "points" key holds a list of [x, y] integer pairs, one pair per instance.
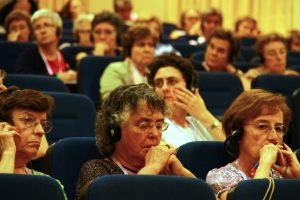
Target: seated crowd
{"points": [[151, 103]]}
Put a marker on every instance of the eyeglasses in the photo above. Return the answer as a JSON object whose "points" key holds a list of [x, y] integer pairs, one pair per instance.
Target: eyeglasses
{"points": [[266, 128], [2, 74], [147, 126], [30, 122], [41, 26]]}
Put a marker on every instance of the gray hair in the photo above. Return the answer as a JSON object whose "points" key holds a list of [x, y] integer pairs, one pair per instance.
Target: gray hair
{"points": [[57, 21], [117, 108], [81, 18]]}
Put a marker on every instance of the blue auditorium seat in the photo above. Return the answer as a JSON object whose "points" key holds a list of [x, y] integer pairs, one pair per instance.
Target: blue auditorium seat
{"points": [[202, 156], [74, 116], [64, 159], [219, 90], [10, 51], [29, 187], [36, 82], [148, 187], [256, 189]]}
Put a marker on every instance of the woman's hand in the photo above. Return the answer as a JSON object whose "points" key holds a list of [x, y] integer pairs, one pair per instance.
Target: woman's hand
{"points": [[290, 168], [268, 156], [156, 159], [174, 167], [192, 103], [68, 76], [13, 36], [7, 143]]}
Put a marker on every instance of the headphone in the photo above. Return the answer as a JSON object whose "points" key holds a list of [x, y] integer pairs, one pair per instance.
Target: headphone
{"points": [[231, 143]]}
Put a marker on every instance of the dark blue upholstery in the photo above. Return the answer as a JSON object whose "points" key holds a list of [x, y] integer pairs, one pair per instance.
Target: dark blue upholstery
{"points": [[283, 84], [248, 41], [148, 187], [33, 187], [91, 69], [247, 53], [36, 82], [297, 152], [219, 90], [256, 188], [168, 27], [245, 66], [295, 138], [10, 51], [72, 51], [202, 156], [74, 116], [186, 50], [64, 159]]}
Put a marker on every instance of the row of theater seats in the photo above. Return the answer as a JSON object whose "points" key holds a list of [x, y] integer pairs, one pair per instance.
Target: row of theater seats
{"points": [[75, 113], [65, 158]]}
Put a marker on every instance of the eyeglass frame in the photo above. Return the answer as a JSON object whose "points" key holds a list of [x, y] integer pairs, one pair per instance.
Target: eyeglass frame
{"points": [[33, 123], [270, 128], [147, 126]]}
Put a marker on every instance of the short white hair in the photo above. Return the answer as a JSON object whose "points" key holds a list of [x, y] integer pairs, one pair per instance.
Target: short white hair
{"points": [[56, 19], [82, 18]]}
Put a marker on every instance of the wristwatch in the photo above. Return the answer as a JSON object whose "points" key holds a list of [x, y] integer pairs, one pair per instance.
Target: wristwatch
{"points": [[215, 124]]}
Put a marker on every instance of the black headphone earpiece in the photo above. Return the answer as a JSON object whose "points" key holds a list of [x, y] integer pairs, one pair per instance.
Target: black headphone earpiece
{"points": [[114, 133], [231, 143]]}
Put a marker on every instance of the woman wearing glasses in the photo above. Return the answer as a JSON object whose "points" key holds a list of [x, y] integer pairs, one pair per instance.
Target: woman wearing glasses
{"points": [[272, 50], [128, 133], [255, 124], [46, 58], [23, 124]]}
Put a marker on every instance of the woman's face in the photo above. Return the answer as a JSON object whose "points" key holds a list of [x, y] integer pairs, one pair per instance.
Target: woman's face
{"points": [[21, 28], [210, 25], [246, 29], [165, 80], [275, 54], [260, 131], [191, 17], [105, 32], [29, 139], [142, 51], [140, 132], [75, 8], [45, 31], [84, 33]]}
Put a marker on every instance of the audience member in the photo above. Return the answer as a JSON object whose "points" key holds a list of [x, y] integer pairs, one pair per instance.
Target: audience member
{"points": [[82, 29], [138, 50], [176, 81], [294, 41], [128, 132], [154, 23], [255, 124], [23, 115], [29, 6], [189, 23], [210, 21], [246, 27], [46, 58], [106, 28], [123, 8], [272, 49], [71, 10], [18, 27]]}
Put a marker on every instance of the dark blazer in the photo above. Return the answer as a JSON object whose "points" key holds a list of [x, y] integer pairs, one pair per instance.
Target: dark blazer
{"points": [[31, 62]]}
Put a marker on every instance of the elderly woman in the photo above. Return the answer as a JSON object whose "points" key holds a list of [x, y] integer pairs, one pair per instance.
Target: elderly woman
{"points": [[23, 115], [128, 133], [176, 81], [138, 49], [82, 29], [272, 49], [255, 124], [71, 10], [17, 26], [46, 58], [190, 24]]}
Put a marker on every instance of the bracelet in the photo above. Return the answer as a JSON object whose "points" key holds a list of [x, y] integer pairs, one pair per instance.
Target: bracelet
{"points": [[215, 124]]}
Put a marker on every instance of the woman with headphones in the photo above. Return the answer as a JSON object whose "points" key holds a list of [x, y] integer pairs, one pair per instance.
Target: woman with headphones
{"points": [[128, 133], [255, 124], [175, 79], [272, 50], [46, 58]]}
